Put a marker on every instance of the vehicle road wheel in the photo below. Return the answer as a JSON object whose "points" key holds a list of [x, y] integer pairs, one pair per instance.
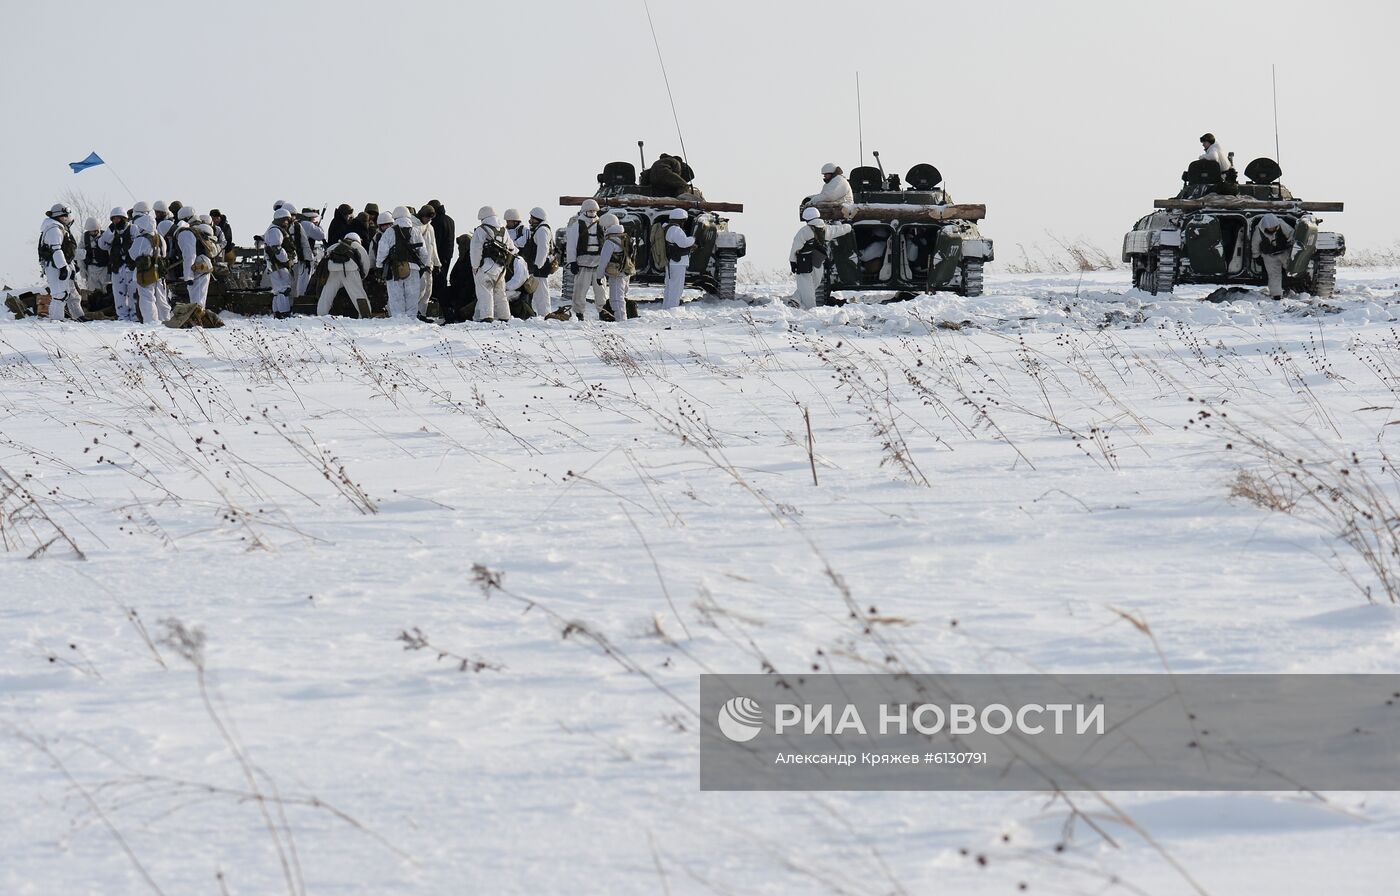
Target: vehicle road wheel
{"points": [[971, 279]]}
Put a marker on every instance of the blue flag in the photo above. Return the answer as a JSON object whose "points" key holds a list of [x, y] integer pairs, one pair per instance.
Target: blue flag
{"points": [[92, 160]]}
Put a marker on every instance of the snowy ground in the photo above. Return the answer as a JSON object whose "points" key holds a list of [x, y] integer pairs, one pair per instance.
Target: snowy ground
{"points": [[1004, 474]]}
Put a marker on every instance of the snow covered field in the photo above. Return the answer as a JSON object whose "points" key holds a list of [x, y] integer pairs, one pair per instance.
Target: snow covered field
{"points": [[456, 585]]}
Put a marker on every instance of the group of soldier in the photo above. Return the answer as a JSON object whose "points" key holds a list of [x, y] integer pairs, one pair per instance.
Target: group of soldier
{"points": [[131, 257], [153, 251]]}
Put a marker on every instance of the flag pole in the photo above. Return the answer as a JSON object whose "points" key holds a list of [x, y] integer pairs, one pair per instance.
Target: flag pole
{"points": [[119, 179]]}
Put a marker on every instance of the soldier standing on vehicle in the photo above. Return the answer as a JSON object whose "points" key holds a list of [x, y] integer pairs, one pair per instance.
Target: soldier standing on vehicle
{"points": [[116, 240], [491, 251], [583, 239], [1272, 243], [678, 246], [280, 247], [810, 250], [404, 258], [1210, 149], [347, 263], [837, 190], [57, 253], [541, 260], [616, 263]]}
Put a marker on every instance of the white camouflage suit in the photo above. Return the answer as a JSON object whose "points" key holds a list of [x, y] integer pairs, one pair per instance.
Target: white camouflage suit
{"points": [[425, 288], [807, 283], [348, 274], [58, 272], [279, 271], [197, 281], [123, 277], [1270, 233], [676, 270], [491, 301], [153, 300], [95, 276], [403, 294], [535, 250], [617, 283], [585, 254], [311, 240]]}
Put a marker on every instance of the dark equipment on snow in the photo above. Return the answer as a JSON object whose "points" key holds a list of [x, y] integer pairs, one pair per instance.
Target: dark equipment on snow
{"points": [[1205, 234]]}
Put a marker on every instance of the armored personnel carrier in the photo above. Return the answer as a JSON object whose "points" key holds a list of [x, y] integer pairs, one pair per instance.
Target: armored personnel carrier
{"points": [[1204, 235], [243, 287], [907, 239], [643, 210]]}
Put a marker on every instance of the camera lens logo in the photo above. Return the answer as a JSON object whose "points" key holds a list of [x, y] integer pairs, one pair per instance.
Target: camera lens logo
{"points": [[741, 719]]}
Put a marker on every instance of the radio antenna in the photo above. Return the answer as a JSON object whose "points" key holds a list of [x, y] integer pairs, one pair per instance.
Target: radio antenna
{"points": [[666, 79], [1273, 71], [860, 125]]}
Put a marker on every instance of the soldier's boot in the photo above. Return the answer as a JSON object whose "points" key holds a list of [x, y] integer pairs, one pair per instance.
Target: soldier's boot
{"points": [[362, 307]]}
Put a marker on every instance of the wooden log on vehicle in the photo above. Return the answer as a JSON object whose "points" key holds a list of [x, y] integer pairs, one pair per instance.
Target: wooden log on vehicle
{"points": [[1247, 204], [891, 211], [656, 202]]}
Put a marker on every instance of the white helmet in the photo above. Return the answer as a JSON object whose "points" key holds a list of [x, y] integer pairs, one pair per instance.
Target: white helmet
{"points": [[589, 207], [677, 214], [160, 206], [810, 214], [58, 210], [615, 228], [512, 214], [278, 204], [829, 168], [609, 220], [91, 224], [537, 213], [384, 218], [205, 219], [485, 212], [118, 212], [206, 229], [141, 208], [352, 238], [282, 214], [186, 212], [400, 211]]}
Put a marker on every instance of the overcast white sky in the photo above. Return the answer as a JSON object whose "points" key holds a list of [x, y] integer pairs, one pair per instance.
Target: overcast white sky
{"points": [[1068, 117]]}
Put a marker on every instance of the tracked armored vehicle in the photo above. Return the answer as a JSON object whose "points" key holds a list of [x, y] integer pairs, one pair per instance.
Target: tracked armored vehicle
{"points": [[243, 287], [906, 239], [1204, 235], [643, 212]]}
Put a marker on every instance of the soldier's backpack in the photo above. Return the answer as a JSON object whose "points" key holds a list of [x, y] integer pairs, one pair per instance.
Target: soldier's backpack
{"points": [[151, 267], [69, 248], [341, 253], [494, 248], [813, 253], [401, 254], [622, 263]]}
